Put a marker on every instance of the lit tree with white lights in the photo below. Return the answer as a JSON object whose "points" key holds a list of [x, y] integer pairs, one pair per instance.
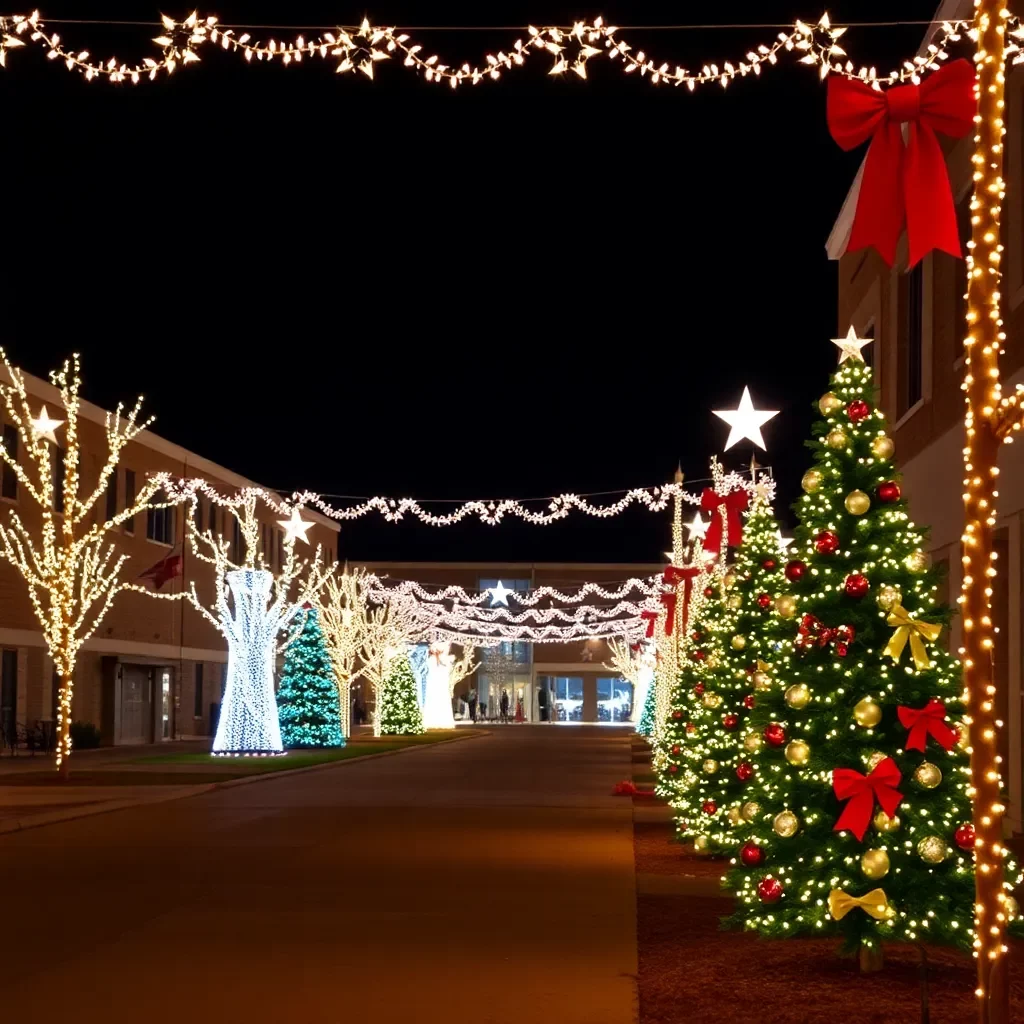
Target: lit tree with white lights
{"points": [[69, 562], [399, 713], [252, 606], [635, 663], [342, 605]]}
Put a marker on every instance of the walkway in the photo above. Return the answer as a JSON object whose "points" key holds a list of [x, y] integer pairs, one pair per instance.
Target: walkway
{"points": [[487, 880]]}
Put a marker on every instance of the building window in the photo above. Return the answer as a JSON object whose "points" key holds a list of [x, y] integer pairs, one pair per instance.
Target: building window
{"points": [[911, 347], [330, 556], [9, 479], [211, 519], [58, 479], [280, 547], [129, 498], [160, 522], [112, 495], [197, 514], [237, 548], [197, 698]]}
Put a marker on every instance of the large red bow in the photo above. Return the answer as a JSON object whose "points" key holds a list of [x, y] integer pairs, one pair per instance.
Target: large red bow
{"points": [[812, 632], [652, 618], [904, 183], [862, 791], [669, 601], [925, 722], [734, 503], [674, 575]]}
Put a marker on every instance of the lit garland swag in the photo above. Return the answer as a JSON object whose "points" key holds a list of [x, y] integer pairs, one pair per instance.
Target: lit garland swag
{"points": [[307, 700], [862, 823], [729, 663], [400, 713]]}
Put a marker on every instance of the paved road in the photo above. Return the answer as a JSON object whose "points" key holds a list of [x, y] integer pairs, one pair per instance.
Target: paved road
{"points": [[487, 880]]}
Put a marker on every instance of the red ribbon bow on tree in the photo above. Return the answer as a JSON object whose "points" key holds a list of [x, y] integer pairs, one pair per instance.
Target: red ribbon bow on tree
{"points": [[669, 601], [674, 575], [904, 183], [813, 632], [652, 618], [734, 502], [924, 722], [861, 792]]}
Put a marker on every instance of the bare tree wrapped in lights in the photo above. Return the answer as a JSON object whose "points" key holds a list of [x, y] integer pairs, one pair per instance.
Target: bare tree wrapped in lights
{"points": [[69, 563], [252, 607], [635, 663]]}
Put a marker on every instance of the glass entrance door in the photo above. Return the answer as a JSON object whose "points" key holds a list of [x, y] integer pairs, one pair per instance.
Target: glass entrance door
{"points": [[614, 700]]}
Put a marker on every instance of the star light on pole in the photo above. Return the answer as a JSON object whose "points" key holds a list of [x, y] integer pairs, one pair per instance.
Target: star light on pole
{"points": [[499, 594], [697, 527], [850, 346], [745, 422], [296, 527], [44, 426]]}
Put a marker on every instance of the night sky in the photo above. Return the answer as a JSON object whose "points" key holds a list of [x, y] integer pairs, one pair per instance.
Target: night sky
{"points": [[534, 286]]}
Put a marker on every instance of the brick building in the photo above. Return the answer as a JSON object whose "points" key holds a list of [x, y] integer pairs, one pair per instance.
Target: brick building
{"points": [[154, 670], [916, 318]]}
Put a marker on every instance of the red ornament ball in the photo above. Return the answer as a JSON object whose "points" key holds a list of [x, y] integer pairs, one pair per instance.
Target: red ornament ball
{"points": [[842, 649], [696, 635], [769, 890], [751, 854], [856, 585], [673, 767], [889, 491], [675, 749], [690, 727], [730, 721], [858, 410], [964, 836], [847, 634], [698, 655], [709, 807], [795, 570], [699, 689], [768, 563], [677, 714], [750, 701], [744, 771], [826, 543], [709, 591], [774, 734], [764, 600]]}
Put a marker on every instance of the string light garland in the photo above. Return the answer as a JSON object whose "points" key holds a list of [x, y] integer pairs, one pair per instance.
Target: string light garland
{"points": [[569, 48], [633, 585]]}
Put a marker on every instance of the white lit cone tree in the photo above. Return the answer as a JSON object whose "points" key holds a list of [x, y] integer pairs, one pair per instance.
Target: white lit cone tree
{"points": [[252, 606], [69, 562], [444, 672]]}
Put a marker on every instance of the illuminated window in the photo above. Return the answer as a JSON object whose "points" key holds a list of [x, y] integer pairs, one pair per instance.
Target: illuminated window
{"points": [[160, 522]]}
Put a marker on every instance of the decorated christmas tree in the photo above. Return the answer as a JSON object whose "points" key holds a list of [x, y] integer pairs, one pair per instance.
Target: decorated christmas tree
{"points": [[741, 644], [646, 724], [400, 712], [863, 815], [307, 699]]}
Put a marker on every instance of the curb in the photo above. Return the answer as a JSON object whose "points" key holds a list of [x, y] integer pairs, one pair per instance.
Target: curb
{"points": [[201, 788], [648, 884]]}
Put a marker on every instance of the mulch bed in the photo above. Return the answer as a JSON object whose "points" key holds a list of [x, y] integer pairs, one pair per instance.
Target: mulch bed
{"points": [[692, 972]]}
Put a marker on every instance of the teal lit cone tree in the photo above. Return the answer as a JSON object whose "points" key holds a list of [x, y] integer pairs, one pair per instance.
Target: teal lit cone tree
{"points": [[863, 828], [400, 713], [746, 639], [307, 699]]}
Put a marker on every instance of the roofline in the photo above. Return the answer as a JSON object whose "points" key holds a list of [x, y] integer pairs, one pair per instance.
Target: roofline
{"points": [[87, 410], [644, 567], [839, 236]]}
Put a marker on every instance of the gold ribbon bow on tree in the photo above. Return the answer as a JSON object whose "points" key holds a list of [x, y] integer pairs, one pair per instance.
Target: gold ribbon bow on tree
{"points": [[908, 628], [874, 903]]}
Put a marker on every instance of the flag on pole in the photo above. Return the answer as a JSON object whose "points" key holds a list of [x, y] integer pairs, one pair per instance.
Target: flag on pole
{"points": [[164, 571]]}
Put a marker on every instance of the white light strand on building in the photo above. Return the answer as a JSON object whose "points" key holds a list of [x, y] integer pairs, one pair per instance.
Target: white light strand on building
{"points": [[462, 596], [570, 49]]}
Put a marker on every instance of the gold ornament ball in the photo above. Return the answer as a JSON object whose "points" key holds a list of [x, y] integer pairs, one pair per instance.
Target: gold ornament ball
{"points": [[797, 752], [712, 661], [932, 850], [882, 447], [875, 864], [857, 503], [829, 403], [1011, 908], [884, 823], [701, 844], [798, 696], [927, 774], [836, 438], [734, 816], [785, 605], [866, 713], [916, 562], [761, 681], [750, 810], [738, 642], [734, 602], [730, 579], [786, 824], [964, 740], [752, 742], [812, 480], [876, 759], [888, 596], [710, 766], [712, 700]]}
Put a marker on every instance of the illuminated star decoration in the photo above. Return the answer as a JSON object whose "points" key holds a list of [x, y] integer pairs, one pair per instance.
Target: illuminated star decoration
{"points": [[850, 346], [697, 527], [783, 542], [499, 594], [43, 426], [745, 422], [295, 528]]}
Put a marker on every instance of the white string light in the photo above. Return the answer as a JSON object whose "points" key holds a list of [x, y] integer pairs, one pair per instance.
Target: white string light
{"points": [[459, 594]]}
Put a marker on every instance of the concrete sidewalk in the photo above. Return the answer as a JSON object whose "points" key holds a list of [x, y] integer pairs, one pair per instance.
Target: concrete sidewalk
{"points": [[490, 881]]}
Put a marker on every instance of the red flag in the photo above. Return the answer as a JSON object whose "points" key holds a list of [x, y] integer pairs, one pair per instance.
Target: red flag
{"points": [[164, 571]]}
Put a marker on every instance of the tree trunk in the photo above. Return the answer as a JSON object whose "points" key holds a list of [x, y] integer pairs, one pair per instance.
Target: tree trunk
{"points": [[63, 739], [872, 960]]}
